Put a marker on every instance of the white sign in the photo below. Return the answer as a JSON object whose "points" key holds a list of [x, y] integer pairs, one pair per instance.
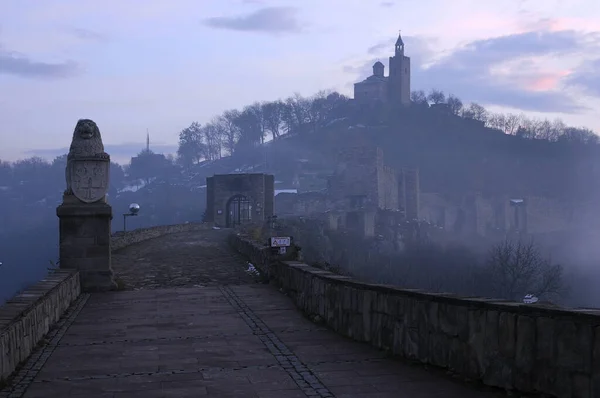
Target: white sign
{"points": [[282, 250], [530, 299], [280, 241]]}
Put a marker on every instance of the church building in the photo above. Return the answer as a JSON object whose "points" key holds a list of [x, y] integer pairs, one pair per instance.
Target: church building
{"points": [[392, 89]]}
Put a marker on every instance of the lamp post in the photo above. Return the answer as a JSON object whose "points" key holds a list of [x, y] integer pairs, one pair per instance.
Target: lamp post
{"points": [[134, 208]]}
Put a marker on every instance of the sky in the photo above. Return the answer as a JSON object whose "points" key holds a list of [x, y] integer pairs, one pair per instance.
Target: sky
{"points": [[155, 65]]}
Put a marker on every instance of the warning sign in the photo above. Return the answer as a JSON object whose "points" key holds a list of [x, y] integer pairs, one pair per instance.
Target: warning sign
{"points": [[280, 241]]}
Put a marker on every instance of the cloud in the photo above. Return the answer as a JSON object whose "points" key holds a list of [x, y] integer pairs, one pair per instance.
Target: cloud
{"points": [[12, 63], [501, 70], [387, 4], [87, 34], [268, 19], [587, 78]]}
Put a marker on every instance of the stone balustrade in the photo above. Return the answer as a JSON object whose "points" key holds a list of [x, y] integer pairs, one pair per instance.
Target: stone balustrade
{"points": [[514, 346], [122, 239], [27, 317]]}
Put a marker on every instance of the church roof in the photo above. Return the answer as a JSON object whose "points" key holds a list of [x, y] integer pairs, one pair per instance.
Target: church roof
{"points": [[399, 42], [378, 63], [374, 79]]}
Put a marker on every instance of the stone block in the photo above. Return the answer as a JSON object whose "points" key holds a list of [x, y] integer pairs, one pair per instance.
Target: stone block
{"points": [[525, 353], [439, 349], [574, 345], [545, 355], [476, 344], [81, 226], [506, 334], [36, 309]]}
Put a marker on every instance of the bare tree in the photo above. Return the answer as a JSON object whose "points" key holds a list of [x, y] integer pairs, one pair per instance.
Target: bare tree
{"points": [[517, 268], [496, 121], [273, 117], [579, 135], [454, 104], [418, 97], [295, 113], [476, 112], [336, 105], [229, 129], [192, 148], [249, 127], [213, 140], [512, 123], [317, 110], [436, 96]]}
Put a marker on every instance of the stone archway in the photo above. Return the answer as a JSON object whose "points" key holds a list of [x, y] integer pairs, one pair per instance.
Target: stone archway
{"points": [[239, 210]]}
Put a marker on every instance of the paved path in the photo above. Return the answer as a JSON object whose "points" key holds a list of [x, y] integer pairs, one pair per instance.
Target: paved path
{"points": [[211, 332]]}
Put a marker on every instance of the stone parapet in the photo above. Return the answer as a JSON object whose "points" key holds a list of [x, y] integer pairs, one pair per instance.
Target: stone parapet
{"points": [[27, 317], [85, 243], [121, 239], [514, 346]]}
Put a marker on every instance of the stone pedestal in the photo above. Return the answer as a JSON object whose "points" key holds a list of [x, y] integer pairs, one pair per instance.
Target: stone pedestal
{"points": [[85, 242]]}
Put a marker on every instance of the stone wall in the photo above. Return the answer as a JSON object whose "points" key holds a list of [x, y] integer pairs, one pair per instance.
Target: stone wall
{"points": [[388, 188], [121, 239], [357, 174], [256, 188], [547, 215], [27, 317], [526, 348]]}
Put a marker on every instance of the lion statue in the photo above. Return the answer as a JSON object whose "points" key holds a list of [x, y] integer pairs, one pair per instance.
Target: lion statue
{"points": [[86, 143]]}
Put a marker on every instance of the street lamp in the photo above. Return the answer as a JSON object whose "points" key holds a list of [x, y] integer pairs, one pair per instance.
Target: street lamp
{"points": [[134, 208]]}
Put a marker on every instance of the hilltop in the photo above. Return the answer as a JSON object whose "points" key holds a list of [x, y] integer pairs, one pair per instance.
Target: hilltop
{"points": [[455, 155]]}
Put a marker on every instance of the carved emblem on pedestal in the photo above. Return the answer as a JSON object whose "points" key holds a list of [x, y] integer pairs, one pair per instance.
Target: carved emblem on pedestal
{"points": [[89, 179], [88, 166]]}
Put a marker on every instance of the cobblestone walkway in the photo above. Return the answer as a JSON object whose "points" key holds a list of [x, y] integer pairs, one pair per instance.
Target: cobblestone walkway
{"points": [[220, 335], [187, 259]]}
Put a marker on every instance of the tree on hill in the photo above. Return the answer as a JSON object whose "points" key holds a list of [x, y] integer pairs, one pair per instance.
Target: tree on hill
{"points": [[250, 123], [191, 149], [5, 173], [436, 97], [244, 129], [454, 104], [273, 117], [229, 129], [517, 268], [419, 97]]}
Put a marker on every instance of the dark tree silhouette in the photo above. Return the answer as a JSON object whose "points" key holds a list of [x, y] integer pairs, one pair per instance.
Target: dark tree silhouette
{"points": [[191, 146], [517, 268]]}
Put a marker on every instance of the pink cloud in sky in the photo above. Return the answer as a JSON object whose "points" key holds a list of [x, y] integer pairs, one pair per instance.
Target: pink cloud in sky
{"points": [[558, 24], [547, 81]]}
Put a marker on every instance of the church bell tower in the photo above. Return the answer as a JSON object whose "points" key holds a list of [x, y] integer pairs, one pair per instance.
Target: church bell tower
{"points": [[399, 78]]}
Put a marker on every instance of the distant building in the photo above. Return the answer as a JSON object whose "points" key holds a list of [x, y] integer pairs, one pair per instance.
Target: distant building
{"points": [[393, 89], [235, 199]]}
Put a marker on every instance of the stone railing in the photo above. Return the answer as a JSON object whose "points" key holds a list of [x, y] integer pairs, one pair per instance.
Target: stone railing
{"points": [[121, 239], [27, 317], [514, 346]]}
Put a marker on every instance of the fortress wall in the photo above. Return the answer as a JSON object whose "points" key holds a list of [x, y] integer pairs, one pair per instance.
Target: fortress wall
{"points": [[527, 348], [546, 215], [121, 239], [27, 318]]}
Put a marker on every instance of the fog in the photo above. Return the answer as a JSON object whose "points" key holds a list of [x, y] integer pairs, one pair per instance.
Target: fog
{"points": [[458, 154], [481, 183]]}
